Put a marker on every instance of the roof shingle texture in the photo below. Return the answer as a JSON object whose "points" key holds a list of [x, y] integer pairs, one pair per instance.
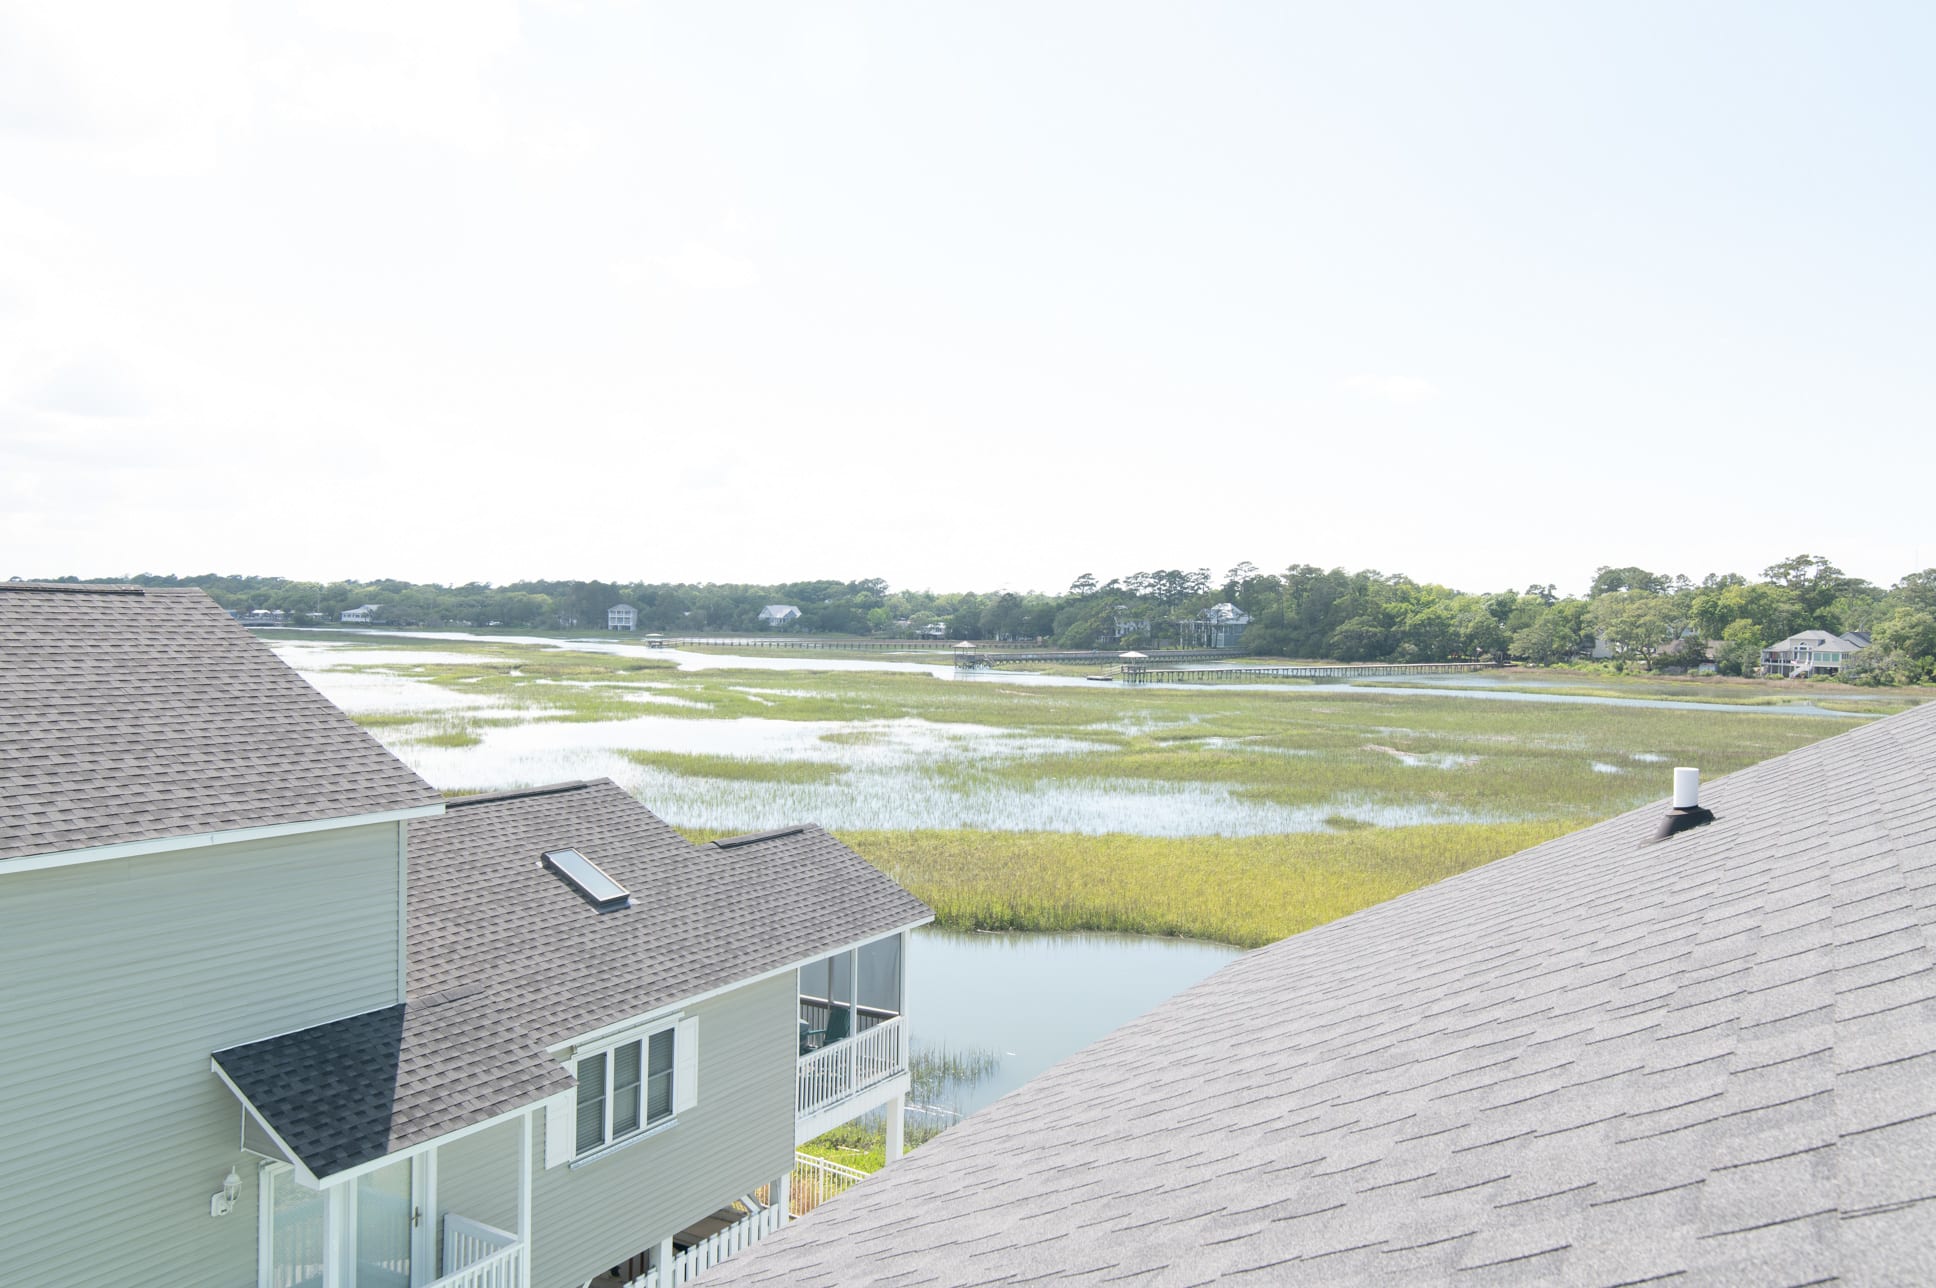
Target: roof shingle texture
{"points": [[131, 714], [507, 958], [1599, 1061]]}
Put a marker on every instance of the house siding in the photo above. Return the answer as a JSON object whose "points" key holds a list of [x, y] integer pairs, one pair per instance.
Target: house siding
{"points": [[118, 979], [477, 1176], [737, 1138]]}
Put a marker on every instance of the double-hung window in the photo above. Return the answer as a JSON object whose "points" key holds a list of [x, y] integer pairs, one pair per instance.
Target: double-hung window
{"points": [[625, 1089]]}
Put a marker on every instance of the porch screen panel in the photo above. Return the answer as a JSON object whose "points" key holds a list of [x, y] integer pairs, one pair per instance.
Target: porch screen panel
{"points": [[295, 1234], [383, 1226], [880, 975]]}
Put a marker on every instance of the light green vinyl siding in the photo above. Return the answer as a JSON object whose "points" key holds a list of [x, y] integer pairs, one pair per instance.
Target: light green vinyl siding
{"points": [[118, 980], [477, 1176], [736, 1139]]}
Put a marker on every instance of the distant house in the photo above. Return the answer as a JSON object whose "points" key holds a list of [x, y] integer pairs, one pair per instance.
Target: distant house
{"points": [[621, 617], [1127, 625], [1812, 653], [1219, 626], [779, 615], [367, 613], [934, 630]]}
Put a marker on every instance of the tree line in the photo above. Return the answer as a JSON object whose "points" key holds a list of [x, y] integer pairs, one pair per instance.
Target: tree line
{"points": [[1643, 618]]}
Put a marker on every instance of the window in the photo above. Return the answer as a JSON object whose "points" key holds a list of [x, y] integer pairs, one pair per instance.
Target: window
{"points": [[624, 1090]]}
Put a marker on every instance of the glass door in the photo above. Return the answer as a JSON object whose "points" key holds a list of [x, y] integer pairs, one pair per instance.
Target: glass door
{"points": [[384, 1227]]}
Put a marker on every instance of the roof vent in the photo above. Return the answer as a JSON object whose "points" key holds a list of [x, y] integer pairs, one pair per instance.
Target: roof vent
{"points": [[588, 879], [1687, 812]]}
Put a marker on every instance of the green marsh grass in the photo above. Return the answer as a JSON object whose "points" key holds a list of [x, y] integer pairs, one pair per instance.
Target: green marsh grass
{"points": [[738, 767], [1247, 891]]}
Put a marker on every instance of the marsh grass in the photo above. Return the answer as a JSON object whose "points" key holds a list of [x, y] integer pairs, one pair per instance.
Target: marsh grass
{"points": [[740, 768], [1246, 891]]}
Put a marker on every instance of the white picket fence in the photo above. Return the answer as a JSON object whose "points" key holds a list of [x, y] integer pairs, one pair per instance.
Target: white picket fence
{"points": [[815, 1180], [480, 1256], [832, 1074], [737, 1237]]}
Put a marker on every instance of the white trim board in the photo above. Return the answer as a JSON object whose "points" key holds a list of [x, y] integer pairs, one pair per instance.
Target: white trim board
{"points": [[566, 1049], [166, 844]]}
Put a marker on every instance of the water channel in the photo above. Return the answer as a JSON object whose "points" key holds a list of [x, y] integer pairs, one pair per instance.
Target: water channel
{"points": [[1011, 1005]]}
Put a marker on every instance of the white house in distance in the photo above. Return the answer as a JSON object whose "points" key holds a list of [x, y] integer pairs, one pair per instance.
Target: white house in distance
{"points": [[778, 615], [321, 1028], [1219, 626], [621, 617], [1812, 653], [364, 613]]}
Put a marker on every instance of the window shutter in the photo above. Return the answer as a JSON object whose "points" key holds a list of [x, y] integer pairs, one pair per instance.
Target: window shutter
{"points": [[685, 1068], [561, 1128]]}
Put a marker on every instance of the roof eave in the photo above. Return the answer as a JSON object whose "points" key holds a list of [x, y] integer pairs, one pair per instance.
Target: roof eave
{"points": [[193, 840]]}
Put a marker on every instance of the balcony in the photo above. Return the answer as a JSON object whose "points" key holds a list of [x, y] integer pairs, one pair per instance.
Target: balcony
{"points": [[853, 1053]]}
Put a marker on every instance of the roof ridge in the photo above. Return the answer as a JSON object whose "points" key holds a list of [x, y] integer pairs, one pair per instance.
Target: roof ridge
{"points": [[73, 588], [518, 793], [754, 838]]}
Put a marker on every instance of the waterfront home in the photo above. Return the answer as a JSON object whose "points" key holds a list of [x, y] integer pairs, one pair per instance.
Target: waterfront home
{"points": [[1634, 1054], [621, 617], [1812, 653], [311, 1024], [363, 613], [778, 615], [1219, 626]]}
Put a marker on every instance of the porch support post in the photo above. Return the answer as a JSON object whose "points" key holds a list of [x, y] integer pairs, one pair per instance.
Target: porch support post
{"points": [[783, 1196], [896, 1126], [665, 1261], [524, 1197], [853, 992]]}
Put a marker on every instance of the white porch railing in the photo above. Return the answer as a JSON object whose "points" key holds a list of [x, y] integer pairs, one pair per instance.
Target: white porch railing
{"points": [[480, 1256], [737, 1237], [833, 1073], [815, 1180]]}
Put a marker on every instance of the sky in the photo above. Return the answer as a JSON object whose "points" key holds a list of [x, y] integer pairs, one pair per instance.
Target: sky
{"points": [[964, 296]]}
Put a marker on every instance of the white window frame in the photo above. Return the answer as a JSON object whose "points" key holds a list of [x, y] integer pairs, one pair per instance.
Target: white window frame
{"points": [[604, 1048]]}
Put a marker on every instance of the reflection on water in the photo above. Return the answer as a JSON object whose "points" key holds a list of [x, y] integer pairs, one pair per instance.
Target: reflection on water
{"points": [[1032, 1000]]}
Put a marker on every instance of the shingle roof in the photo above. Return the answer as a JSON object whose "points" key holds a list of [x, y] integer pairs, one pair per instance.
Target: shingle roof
{"points": [[1599, 1061], [534, 964], [130, 714], [357, 1089]]}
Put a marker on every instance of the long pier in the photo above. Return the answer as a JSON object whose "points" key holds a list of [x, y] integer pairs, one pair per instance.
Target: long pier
{"points": [[805, 642], [982, 659], [1137, 673]]}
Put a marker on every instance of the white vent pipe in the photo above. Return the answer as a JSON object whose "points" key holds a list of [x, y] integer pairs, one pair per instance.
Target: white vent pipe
{"points": [[1687, 788]]}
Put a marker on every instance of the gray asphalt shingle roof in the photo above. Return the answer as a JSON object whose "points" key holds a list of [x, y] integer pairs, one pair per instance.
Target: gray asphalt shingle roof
{"points": [[1599, 1061], [506, 959], [132, 714]]}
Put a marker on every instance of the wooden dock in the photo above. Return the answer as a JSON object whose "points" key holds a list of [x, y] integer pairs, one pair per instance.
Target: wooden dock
{"points": [[983, 659], [1138, 673]]}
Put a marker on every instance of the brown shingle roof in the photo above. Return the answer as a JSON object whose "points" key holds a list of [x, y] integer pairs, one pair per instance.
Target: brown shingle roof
{"points": [[131, 714]]}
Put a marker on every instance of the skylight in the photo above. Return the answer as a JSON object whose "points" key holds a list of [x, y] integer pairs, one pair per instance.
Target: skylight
{"points": [[591, 880]]}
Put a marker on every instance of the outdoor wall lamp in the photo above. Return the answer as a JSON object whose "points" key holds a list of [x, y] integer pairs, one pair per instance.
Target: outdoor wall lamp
{"points": [[224, 1203]]}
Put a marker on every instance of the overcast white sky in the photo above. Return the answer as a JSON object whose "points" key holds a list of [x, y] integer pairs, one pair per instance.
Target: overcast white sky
{"points": [[964, 295]]}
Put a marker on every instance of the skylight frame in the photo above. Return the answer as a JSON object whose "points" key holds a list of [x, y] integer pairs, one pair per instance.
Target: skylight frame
{"points": [[598, 886]]}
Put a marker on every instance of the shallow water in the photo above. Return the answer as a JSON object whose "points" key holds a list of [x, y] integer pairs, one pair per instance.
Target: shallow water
{"points": [[1033, 1000], [1466, 686]]}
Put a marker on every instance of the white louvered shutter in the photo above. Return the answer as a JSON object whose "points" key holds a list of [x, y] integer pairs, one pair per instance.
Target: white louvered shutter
{"points": [[685, 1075], [561, 1128]]}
